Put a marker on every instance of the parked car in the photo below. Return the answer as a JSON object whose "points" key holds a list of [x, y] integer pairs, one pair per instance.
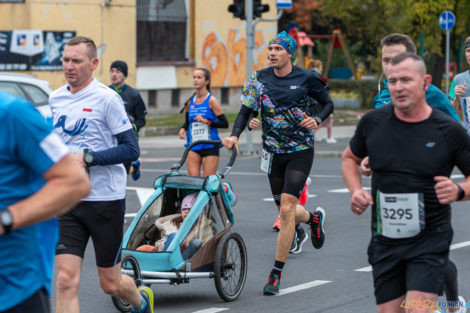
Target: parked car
{"points": [[30, 88]]}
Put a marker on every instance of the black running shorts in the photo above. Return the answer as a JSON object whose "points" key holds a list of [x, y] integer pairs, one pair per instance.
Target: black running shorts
{"points": [[420, 265], [289, 172], [37, 303], [208, 152], [103, 221]]}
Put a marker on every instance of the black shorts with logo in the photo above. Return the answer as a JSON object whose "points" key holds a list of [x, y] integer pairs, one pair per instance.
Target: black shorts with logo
{"points": [[214, 151], [420, 265], [289, 172], [103, 221]]}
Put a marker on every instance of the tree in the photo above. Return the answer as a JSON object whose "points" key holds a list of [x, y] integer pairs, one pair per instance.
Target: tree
{"points": [[365, 22]]}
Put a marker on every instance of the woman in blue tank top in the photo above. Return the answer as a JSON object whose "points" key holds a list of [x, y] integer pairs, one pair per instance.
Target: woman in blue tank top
{"points": [[204, 116]]}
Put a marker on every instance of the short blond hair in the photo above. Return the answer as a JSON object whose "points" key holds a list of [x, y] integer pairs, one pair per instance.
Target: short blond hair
{"points": [[90, 45]]}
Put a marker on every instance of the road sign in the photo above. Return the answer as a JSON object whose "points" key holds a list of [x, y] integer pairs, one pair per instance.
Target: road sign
{"points": [[284, 4], [446, 20]]}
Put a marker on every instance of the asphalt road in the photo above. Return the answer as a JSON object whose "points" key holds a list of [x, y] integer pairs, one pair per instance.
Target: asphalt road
{"points": [[334, 279]]}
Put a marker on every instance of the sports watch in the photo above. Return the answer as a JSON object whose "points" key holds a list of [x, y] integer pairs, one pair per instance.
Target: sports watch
{"points": [[318, 120], [461, 193], [6, 220], [88, 157]]}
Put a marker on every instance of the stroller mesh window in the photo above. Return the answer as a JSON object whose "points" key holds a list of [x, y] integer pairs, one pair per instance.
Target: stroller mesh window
{"points": [[218, 214], [146, 222], [202, 228]]}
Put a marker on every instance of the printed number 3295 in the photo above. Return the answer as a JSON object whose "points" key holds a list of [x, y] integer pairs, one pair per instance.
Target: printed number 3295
{"points": [[397, 214]]}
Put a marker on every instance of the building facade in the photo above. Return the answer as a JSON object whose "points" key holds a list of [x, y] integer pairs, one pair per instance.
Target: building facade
{"points": [[162, 41]]}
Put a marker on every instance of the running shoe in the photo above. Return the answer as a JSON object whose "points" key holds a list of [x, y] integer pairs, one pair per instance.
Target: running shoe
{"points": [[317, 231], [277, 223], [304, 195], [293, 246], [136, 173], [462, 308], [301, 238], [147, 293], [272, 285]]}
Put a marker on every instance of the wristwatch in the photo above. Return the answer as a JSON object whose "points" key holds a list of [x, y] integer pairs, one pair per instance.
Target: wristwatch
{"points": [[461, 193], [318, 120], [7, 220], [88, 157]]}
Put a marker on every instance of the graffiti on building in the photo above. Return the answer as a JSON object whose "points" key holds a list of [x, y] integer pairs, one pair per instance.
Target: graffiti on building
{"points": [[226, 59]]}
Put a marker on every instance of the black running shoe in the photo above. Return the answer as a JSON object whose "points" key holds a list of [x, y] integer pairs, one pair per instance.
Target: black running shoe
{"points": [[293, 247], [301, 238], [317, 231], [272, 285]]}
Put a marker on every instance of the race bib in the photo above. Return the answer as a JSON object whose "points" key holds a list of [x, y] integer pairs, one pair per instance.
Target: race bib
{"points": [[401, 214], [199, 131], [266, 160], [466, 108]]}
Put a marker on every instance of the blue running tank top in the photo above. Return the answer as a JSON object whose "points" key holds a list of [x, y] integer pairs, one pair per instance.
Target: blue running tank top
{"points": [[199, 130]]}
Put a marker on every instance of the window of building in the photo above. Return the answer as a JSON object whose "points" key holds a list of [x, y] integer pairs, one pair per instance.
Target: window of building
{"points": [[161, 30], [152, 101], [224, 95], [175, 97]]}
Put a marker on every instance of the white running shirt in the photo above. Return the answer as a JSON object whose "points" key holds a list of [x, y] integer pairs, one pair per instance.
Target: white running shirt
{"points": [[89, 119]]}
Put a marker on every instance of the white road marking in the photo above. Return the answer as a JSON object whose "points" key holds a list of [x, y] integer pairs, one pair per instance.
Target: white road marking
{"points": [[459, 245], [345, 190], [211, 310], [452, 247], [159, 159], [142, 193], [308, 285], [272, 199]]}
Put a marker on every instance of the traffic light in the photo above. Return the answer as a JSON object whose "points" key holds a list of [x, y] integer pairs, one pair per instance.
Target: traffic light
{"points": [[238, 9], [259, 8]]}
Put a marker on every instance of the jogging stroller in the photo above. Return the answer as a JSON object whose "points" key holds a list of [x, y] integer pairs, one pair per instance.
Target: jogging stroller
{"points": [[222, 255]]}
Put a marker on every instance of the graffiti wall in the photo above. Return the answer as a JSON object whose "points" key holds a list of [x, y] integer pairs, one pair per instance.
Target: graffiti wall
{"points": [[226, 59], [221, 47]]}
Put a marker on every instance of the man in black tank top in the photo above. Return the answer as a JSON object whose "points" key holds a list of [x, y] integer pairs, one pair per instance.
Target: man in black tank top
{"points": [[412, 150]]}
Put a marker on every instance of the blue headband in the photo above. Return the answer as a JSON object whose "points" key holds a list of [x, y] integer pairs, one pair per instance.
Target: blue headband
{"points": [[286, 41]]}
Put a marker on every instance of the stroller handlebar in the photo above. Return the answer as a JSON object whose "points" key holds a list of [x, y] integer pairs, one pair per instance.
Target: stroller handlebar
{"points": [[176, 167]]}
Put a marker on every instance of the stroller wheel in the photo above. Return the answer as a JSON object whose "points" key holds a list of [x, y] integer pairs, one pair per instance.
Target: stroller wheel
{"points": [[128, 262], [230, 266]]}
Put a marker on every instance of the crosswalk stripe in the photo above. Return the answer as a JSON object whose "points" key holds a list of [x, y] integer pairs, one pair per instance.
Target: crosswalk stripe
{"points": [[308, 285], [211, 310]]}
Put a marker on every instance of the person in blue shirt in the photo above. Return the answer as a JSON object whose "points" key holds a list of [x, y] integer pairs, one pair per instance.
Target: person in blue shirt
{"points": [[39, 180], [204, 116], [459, 91], [395, 44]]}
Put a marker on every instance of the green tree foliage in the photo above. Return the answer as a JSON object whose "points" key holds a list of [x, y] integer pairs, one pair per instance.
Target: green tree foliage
{"points": [[365, 22]]}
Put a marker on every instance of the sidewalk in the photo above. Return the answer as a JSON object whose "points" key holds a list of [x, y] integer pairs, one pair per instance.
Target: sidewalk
{"points": [[322, 149]]}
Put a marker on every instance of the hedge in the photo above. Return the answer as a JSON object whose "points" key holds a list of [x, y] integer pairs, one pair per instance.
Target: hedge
{"points": [[367, 89]]}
